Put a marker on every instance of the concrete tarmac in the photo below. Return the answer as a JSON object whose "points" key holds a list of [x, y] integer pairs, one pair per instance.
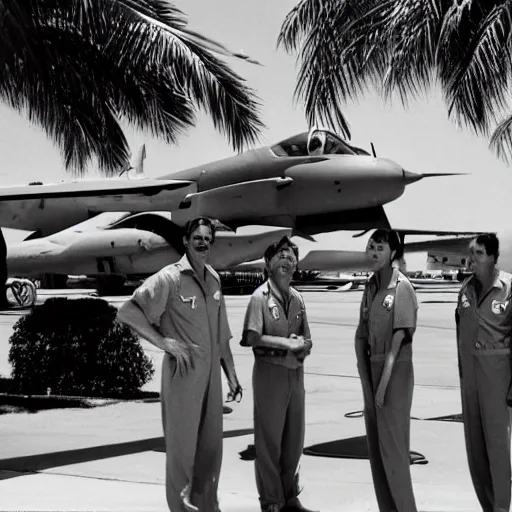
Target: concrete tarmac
{"points": [[111, 458]]}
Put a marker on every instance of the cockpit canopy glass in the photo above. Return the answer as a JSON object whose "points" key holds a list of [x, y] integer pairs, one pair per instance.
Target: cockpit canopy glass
{"points": [[315, 143]]}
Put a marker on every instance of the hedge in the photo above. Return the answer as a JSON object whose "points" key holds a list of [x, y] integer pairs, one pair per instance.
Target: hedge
{"points": [[76, 347]]}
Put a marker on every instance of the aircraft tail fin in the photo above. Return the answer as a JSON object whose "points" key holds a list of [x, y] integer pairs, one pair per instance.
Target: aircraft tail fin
{"points": [[136, 170], [138, 165]]}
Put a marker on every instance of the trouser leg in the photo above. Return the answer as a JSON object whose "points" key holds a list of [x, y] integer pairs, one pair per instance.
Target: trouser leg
{"points": [[493, 378], [476, 449], [271, 395], [208, 459], [182, 400], [293, 435], [380, 481], [393, 424], [180, 425]]}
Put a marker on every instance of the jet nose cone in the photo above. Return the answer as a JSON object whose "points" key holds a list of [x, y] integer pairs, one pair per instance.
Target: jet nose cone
{"points": [[410, 177]]}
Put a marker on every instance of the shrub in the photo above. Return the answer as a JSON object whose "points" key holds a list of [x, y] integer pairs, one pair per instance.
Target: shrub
{"points": [[76, 347]]}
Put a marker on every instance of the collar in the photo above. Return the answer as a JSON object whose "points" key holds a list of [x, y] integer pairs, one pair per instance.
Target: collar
{"points": [[393, 282], [185, 266], [274, 290], [499, 280]]}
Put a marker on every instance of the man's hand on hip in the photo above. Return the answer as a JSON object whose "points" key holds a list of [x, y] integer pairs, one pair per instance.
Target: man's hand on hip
{"points": [[182, 352]]}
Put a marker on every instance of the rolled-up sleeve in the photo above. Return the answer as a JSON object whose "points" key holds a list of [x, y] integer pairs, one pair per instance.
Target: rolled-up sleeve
{"points": [[153, 295], [406, 307], [253, 318]]}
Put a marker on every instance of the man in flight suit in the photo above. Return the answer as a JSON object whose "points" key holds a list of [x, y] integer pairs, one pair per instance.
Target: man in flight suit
{"points": [[277, 328], [181, 310], [484, 321]]}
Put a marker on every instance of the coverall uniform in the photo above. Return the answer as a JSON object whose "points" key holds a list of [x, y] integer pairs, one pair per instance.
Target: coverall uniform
{"points": [[382, 313], [178, 305], [483, 341], [279, 396]]}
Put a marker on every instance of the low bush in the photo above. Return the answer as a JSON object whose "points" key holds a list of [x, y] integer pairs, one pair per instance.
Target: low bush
{"points": [[76, 347]]}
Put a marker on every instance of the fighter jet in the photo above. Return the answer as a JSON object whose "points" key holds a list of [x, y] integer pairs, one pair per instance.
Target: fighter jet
{"points": [[313, 182]]}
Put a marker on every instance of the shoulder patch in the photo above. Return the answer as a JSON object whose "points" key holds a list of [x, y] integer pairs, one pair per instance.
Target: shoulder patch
{"points": [[464, 302]]}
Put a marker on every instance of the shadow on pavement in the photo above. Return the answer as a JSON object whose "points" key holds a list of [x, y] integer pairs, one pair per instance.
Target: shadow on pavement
{"points": [[17, 466], [351, 448], [456, 418]]}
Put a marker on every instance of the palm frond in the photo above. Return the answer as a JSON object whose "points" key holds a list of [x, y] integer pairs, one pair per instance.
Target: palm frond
{"points": [[301, 20], [412, 35], [323, 82], [501, 140], [136, 59], [476, 86]]}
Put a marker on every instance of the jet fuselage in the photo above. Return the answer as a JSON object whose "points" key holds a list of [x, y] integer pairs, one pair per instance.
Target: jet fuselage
{"points": [[283, 185]]}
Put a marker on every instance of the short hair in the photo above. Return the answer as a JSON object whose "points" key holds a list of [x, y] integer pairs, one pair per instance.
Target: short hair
{"points": [[490, 242], [193, 224], [274, 248], [390, 237]]}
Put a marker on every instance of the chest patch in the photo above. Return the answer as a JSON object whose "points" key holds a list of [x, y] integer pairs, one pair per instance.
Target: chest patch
{"points": [[498, 307], [388, 302], [189, 300], [464, 301], [274, 308]]}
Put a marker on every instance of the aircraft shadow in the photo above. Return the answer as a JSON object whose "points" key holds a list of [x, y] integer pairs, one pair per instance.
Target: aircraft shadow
{"points": [[18, 466]]}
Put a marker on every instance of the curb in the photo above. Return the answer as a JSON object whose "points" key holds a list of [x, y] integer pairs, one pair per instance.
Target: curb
{"points": [[64, 402]]}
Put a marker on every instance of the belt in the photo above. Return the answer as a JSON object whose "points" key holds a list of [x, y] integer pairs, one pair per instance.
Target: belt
{"points": [[269, 352], [493, 345]]}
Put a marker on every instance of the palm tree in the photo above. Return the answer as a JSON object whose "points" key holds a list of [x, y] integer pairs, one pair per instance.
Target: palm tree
{"points": [[77, 67], [405, 46]]}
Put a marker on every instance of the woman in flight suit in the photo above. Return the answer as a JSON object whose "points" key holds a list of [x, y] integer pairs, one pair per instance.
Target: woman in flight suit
{"points": [[484, 322], [384, 359]]}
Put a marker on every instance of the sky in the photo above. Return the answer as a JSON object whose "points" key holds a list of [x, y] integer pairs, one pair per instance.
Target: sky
{"points": [[420, 137]]}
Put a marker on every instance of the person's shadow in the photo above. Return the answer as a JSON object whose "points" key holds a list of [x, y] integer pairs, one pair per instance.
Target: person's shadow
{"points": [[350, 448]]}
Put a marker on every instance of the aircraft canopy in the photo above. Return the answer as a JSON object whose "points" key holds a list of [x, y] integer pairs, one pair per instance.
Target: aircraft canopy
{"points": [[314, 143]]}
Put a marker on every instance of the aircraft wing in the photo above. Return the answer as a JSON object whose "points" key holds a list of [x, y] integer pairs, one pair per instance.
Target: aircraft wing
{"points": [[438, 232], [457, 244], [92, 188], [18, 205]]}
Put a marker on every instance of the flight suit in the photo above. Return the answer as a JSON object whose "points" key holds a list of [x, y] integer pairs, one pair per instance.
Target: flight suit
{"points": [[388, 428], [483, 342], [279, 395], [176, 303]]}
